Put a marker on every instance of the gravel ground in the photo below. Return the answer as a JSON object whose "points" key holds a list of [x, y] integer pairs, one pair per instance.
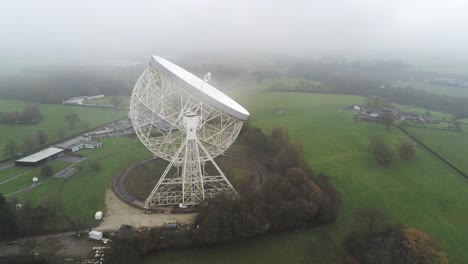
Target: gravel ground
{"points": [[72, 247], [119, 213]]}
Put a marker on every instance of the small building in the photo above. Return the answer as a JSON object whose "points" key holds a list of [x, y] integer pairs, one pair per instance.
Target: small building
{"points": [[40, 157], [92, 144], [79, 143], [98, 215], [100, 133], [95, 235]]}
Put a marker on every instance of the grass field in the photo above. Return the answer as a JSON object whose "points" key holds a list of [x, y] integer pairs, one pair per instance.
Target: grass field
{"points": [[83, 193], [432, 88], [422, 193], [54, 120], [25, 180], [453, 146], [142, 179]]}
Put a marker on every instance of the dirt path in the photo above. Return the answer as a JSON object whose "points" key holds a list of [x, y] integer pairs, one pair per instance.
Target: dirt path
{"points": [[119, 213]]}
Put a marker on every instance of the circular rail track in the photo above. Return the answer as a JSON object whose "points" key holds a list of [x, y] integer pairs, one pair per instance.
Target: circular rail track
{"points": [[118, 186]]}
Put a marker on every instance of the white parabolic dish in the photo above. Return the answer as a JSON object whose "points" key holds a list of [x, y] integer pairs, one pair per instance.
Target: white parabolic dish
{"points": [[199, 88]]}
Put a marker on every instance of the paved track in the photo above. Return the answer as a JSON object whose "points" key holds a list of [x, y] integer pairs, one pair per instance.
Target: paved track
{"points": [[118, 185]]}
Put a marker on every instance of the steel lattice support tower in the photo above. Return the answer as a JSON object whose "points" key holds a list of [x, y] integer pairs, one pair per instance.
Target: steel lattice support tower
{"points": [[192, 185]]}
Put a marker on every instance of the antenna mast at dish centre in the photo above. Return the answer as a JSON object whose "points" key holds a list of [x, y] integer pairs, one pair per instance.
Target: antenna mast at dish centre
{"points": [[188, 122]]}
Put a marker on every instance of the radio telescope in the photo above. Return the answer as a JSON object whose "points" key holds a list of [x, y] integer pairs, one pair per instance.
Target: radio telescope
{"points": [[188, 122]]}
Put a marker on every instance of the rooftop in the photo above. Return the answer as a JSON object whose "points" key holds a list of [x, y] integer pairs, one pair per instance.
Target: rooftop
{"points": [[41, 155], [71, 142]]}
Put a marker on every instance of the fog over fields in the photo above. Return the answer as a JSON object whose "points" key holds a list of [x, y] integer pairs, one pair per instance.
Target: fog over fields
{"points": [[35, 32]]}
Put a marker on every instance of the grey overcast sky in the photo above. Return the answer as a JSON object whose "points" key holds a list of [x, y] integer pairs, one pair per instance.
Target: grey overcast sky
{"points": [[115, 29]]}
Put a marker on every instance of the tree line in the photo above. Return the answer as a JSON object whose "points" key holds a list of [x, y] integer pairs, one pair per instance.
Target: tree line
{"points": [[347, 79], [385, 155], [12, 148], [55, 85], [378, 241], [29, 115], [40, 138]]}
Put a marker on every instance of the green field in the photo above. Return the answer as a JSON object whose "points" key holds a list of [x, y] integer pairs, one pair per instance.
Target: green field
{"points": [[422, 193], [83, 193], [25, 180], [54, 120], [433, 88], [453, 146]]}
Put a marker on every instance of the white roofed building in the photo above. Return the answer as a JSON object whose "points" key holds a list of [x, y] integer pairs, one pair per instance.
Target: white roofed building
{"points": [[40, 157]]}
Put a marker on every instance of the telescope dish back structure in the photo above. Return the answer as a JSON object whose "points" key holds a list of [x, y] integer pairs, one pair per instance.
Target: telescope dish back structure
{"points": [[188, 122]]}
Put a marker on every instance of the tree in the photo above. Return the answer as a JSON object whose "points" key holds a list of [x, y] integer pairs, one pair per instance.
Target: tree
{"points": [[279, 138], [455, 125], [123, 251], [28, 248], [382, 152], [387, 119], [422, 249], [373, 219], [31, 115], [72, 119], [8, 227], [79, 223], [10, 148], [377, 247], [54, 203], [95, 166], [46, 171], [49, 246], [117, 101], [406, 150], [331, 202], [28, 143], [41, 137], [61, 133]]}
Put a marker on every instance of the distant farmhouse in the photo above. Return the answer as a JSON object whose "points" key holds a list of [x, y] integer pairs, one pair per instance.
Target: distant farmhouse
{"points": [[375, 115]]}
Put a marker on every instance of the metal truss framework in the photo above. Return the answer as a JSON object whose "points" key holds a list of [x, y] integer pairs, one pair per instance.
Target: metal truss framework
{"points": [[183, 130]]}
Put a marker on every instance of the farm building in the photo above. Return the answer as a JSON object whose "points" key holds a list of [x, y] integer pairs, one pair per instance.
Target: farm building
{"points": [[40, 157]]}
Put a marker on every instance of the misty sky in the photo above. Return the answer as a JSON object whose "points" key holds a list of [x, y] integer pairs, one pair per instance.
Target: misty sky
{"points": [[114, 29]]}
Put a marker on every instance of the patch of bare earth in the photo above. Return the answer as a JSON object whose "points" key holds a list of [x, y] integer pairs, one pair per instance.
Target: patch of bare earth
{"points": [[119, 213]]}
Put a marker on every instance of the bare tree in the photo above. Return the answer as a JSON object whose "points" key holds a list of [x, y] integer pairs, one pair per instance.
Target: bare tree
{"points": [[406, 150], [41, 137], [46, 171], [72, 119], [10, 148], [387, 119]]}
